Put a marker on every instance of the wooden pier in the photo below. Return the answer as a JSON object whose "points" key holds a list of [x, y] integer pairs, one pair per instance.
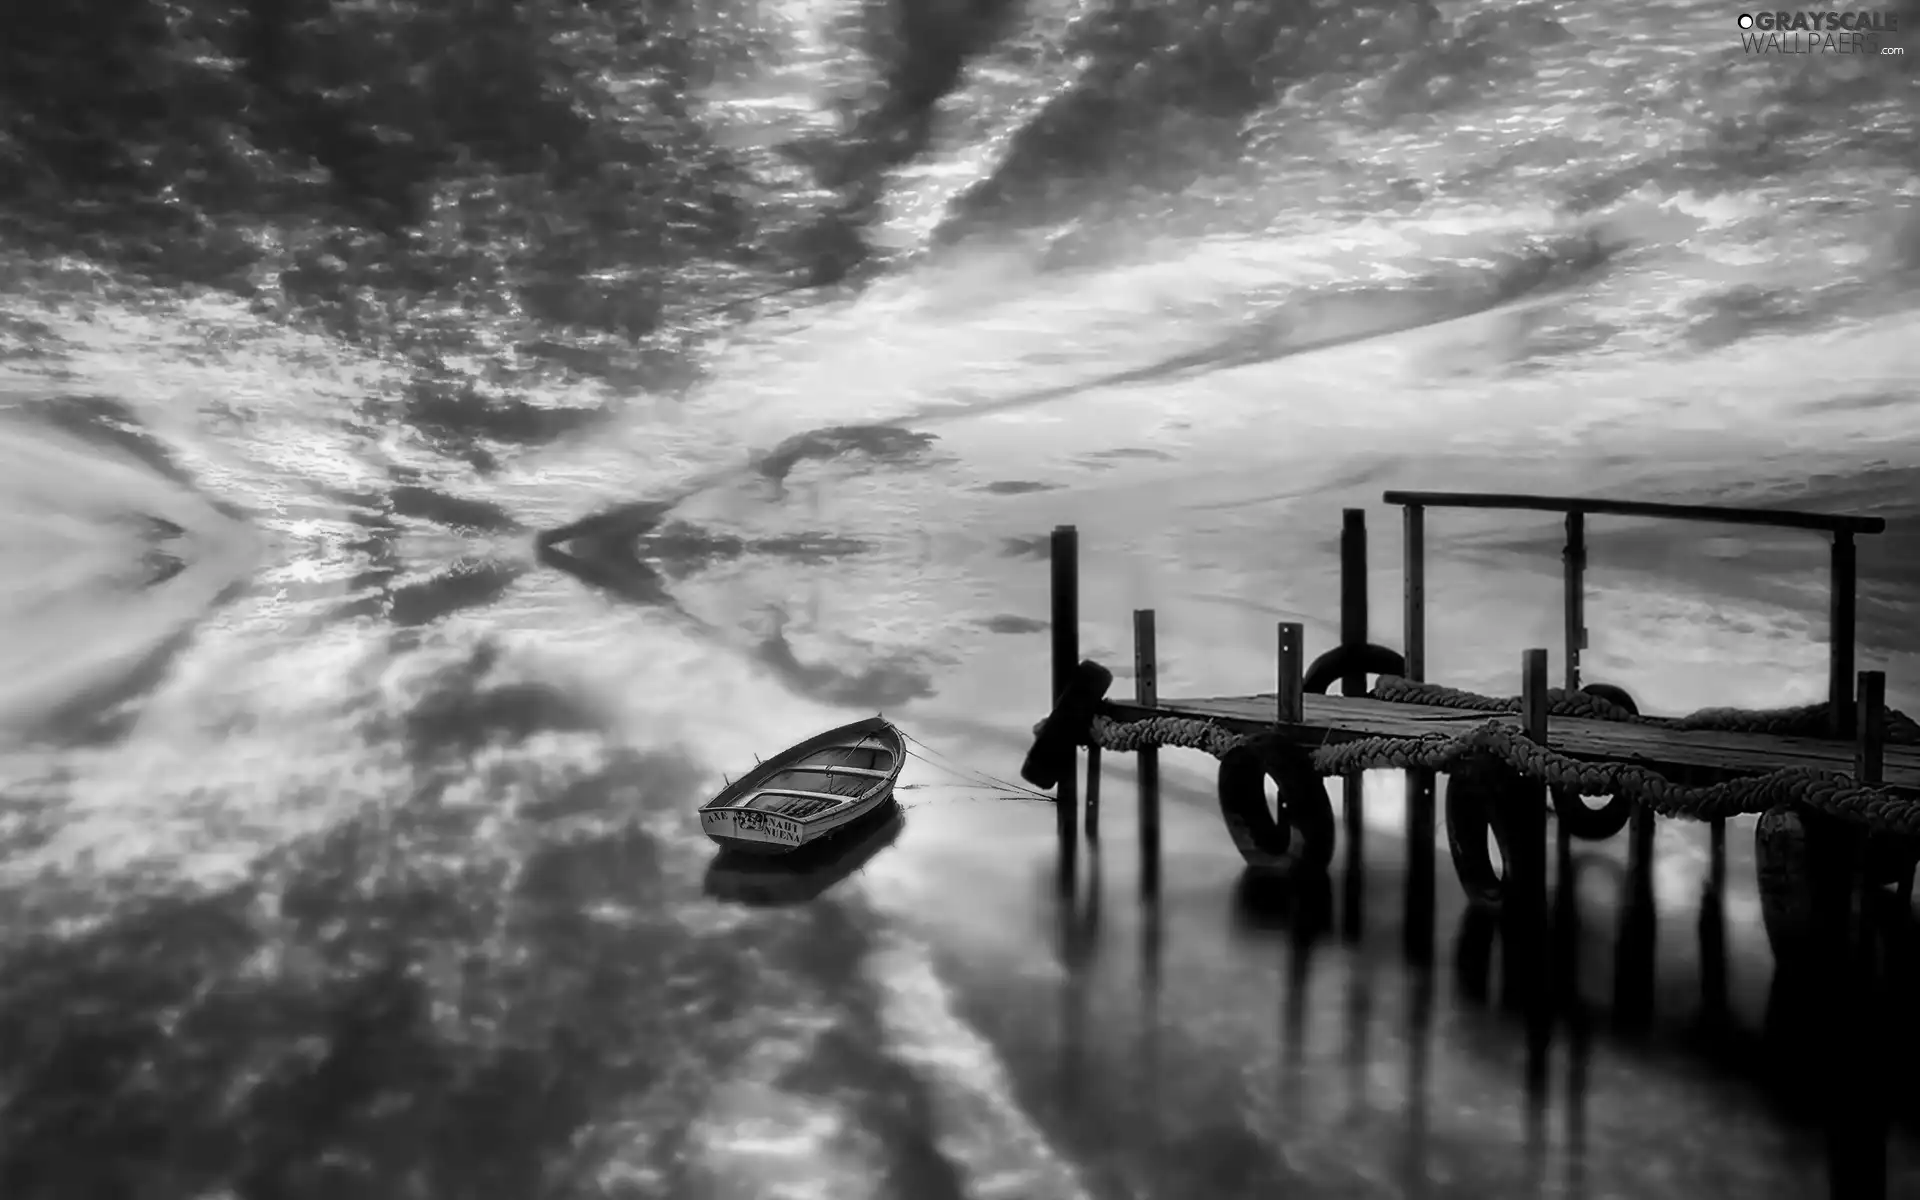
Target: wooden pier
{"points": [[1836, 786], [1298, 712]]}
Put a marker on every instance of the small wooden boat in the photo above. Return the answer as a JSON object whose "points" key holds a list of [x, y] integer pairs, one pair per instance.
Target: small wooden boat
{"points": [[809, 791]]}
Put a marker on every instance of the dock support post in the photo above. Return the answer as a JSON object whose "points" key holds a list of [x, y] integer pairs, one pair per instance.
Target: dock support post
{"points": [[1534, 705], [1417, 915], [1092, 804], [1524, 908], [1146, 691], [1414, 591], [1713, 928], [1717, 855], [1840, 634], [1353, 636], [1636, 943], [1859, 1121], [1527, 952], [1065, 557], [1289, 674], [1870, 737], [1417, 911], [1574, 559], [1353, 598]]}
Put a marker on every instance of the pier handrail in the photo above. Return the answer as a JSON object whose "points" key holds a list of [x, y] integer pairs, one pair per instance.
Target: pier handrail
{"points": [[1841, 600], [1724, 514]]}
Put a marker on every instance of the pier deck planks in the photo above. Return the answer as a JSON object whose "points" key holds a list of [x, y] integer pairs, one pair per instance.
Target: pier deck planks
{"points": [[1695, 756]]}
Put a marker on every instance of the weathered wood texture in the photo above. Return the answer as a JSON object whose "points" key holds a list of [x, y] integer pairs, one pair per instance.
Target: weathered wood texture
{"points": [[1699, 756]]}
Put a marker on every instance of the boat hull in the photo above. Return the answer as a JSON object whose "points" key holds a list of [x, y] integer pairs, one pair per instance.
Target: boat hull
{"points": [[748, 832], [778, 879], [809, 793]]}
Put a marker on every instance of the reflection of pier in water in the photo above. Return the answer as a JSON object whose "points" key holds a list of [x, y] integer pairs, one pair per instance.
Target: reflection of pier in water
{"points": [[1330, 1064]]}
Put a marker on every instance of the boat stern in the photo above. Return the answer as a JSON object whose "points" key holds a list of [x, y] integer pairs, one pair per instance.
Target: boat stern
{"points": [[751, 830]]}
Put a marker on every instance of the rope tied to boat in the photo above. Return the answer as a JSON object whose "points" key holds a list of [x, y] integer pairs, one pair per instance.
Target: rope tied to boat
{"points": [[1830, 792], [975, 778]]}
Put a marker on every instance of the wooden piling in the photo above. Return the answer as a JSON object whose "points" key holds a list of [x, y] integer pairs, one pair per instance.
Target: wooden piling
{"points": [[1574, 568], [1564, 934], [1289, 674], [1523, 910], [1573, 565], [1065, 560], [1640, 848], [1417, 903], [1533, 695], [1353, 598], [1717, 856], [1840, 633], [1353, 682], [1870, 737], [1527, 903], [1860, 1116], [1713, 929], [1093, 795], [1637, 942], [1414, 590], [1146, 692]]}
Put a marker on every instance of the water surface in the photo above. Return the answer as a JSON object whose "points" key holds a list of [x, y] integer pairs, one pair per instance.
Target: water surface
{"points": [[350, 839]]}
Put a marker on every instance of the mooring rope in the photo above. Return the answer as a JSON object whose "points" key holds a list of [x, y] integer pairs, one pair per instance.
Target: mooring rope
{"points": [[1831, 792], [974, 777]]}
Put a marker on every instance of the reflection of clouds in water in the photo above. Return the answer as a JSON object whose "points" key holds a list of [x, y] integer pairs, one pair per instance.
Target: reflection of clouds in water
{"points": [[489, 966], [111, 563], [518, 948], [258, 737], [1017, 487], [1012, 623], [994, 1145], [467, 584], [886, 681], [880, 444]]}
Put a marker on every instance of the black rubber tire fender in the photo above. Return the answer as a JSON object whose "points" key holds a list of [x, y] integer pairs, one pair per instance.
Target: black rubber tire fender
{"points": [[1474, 807], [1596, 824], [1051, 755], [1612, 694], [1326, 670], [1301, 838]]}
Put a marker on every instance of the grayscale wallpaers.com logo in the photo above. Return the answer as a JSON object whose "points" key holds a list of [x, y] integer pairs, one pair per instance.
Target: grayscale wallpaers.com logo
{"points": [[1827, 32]]}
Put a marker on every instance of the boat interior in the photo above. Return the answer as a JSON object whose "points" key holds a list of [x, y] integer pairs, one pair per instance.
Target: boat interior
{"points": [[823, 779]]}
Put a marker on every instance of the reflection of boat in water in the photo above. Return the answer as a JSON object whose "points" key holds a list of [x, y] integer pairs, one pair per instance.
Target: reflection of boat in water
{"points": [[803, 874], [809, 791]]}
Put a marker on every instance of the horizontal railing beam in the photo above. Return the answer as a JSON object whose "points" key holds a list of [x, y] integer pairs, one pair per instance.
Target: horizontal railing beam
{"points": [[1721, 514]]}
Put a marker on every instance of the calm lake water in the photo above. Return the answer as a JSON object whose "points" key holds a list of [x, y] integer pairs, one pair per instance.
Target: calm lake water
{"points": [[350, 847]]}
